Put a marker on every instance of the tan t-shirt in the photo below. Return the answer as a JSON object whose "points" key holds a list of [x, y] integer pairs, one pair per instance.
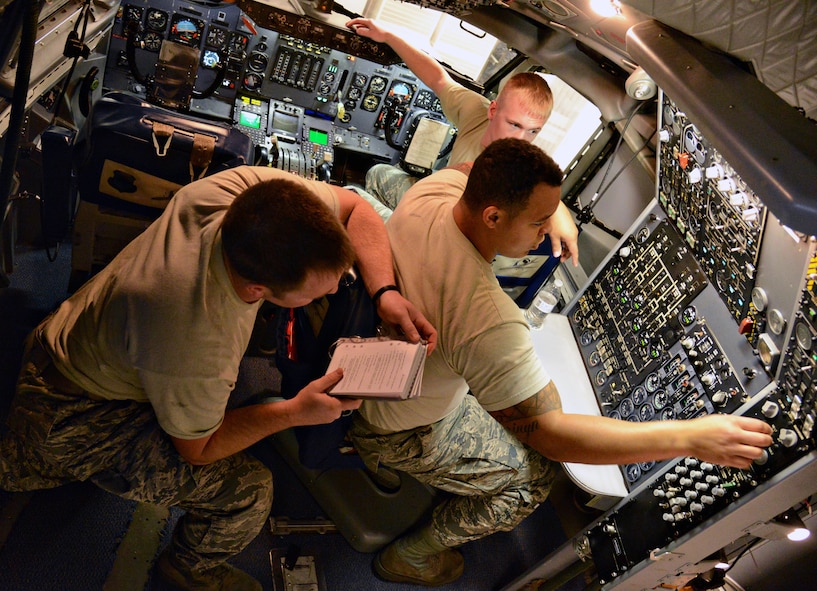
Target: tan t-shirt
{"points": [[468, 111], [484, 342], [162, 323]]}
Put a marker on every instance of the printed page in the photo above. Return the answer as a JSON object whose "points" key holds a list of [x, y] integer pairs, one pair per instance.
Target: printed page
{"points": [[375, 367]]}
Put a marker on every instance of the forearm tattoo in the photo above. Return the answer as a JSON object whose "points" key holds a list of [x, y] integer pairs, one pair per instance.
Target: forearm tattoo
{"points": [[522, 418]]}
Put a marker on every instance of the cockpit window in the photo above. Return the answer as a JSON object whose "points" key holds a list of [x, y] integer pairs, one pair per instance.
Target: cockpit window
{"points": [[573, 122], [461, 46]]}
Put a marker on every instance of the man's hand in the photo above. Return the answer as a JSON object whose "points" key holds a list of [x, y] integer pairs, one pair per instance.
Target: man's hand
{"points": [[366, 27], [313, 406], [402, 314], [565, 437], [727, 440], [564, 235]]}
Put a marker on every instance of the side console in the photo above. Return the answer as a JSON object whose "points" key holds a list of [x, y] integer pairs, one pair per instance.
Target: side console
{"points": [[707, 305]]}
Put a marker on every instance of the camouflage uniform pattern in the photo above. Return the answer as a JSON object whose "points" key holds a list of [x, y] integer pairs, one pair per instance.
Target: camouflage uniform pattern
{"points": [[497, 480], [57, 435], [388, 183]]}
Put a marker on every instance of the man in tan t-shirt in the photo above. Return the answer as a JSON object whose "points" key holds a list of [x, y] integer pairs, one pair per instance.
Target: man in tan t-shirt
{"points": [[521, 109], [126, 384]]}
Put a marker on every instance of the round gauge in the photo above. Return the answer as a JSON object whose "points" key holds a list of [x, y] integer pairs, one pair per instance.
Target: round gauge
{"points": [[694, 224], [238, 42], [594, 359], [652, 382], [632, 472], [586, 338], [187, 31], [802, 333], [424, 100], [346, 117], [329, 77], [667, 414], [324, 89], [216, 37], [302, 27], [359, 80], [354, 93], [210, 58], [646, 412], [760, 298], [777, 323], [356, 44], [370, 102], [152, 41], [639, 395], [156, 20], [614, 415], [257, 61], [252, 81], [377, 84], [642, 235], [644, 341], [601, 378], [723, 279], [350, 105], [626, 408], [647, 466], [133, 13], [401, 90], [689, 315]]}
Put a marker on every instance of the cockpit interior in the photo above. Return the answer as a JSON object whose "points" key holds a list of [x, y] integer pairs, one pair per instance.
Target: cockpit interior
{"points": [[687, 134]]}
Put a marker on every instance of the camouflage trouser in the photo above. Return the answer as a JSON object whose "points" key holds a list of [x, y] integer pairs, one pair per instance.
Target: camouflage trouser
{"points": [[388, 183], [57, 434], [496, 480], [383, 211]]}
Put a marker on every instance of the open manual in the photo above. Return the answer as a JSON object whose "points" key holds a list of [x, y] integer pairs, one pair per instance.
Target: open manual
{"points": [[378, 367]]}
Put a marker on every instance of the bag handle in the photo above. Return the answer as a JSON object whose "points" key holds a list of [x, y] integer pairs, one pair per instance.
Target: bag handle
{"points": [[201, 155], [162, 135]]}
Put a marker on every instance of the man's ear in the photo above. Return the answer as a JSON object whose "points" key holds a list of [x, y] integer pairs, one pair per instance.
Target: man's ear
{"points": [[255, 291], [491, 215], [492, 107]]}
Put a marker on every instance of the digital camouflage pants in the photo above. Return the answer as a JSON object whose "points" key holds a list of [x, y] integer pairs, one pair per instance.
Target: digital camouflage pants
{"points": [[496, 481], [388, 183], [57, 435]]}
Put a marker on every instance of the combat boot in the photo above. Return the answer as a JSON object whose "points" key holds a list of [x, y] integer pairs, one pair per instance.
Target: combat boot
{"points": [[220, 578], [419, 559]]}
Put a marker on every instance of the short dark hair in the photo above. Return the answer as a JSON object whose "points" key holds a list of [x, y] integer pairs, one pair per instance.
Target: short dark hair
{"points": [[275, 232], [505, 174]]}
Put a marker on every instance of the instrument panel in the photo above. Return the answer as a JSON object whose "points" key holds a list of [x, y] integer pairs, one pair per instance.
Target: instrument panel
{"points": [[340, 88], [707, 305]]}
